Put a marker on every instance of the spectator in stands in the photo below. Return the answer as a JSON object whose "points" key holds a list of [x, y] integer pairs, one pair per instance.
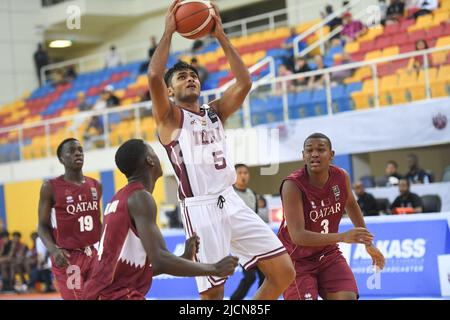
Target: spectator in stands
{"points": [[301, 65], [284, 71], [418, 62], [263, 210], [31, 258], [352, 28], [40, 61], [333, 23], [113, 58], [406, 202], [340, 76], [395, 11], [107, 99], [202, 72], [70, 73], [2, 226], [317, 81], [416, 174], [288, 45], [58, 78], [82, 104], [392, 176], [19, 250], [426, 7], [366, 201], [5, 262], [144, 66], [197, 46], [42, 271]]}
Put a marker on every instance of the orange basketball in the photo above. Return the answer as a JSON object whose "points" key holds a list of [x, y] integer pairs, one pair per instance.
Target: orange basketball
{"points": [[194, 19]]}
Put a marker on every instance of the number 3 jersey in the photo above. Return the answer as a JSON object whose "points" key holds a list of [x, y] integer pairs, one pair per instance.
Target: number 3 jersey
{"points": [[322, 210], [199, 156], [76, 213]]}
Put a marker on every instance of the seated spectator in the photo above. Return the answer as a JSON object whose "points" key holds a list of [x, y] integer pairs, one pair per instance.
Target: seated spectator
{"points": [[82, 104], [144, 66], [284, 71], [113, 58], [107, 99], [353, 29], [317, 81], [58, 78], [197, 46], [395, 11], [42, 270], [5, 262], [289, 46], [406, 202], [418, 62], [202, 72], [301, 65], [340, 76], [263, 210], [416, 174], [71, 73], [366, 201], [425, 7], [392, 175], [333, 23], [19, 250]]}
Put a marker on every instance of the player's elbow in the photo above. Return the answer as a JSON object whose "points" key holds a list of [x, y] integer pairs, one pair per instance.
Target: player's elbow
{"points": [[246, 83], [299, 238]]}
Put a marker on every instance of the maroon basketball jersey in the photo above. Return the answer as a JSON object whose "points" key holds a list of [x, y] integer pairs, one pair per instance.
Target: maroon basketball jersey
{"points": [[76, 216], [322, 210], [122, 262]]}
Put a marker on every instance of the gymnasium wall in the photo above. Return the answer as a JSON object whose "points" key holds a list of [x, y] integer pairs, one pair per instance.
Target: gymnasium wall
{"points": [[19, 200], [19, 37]]}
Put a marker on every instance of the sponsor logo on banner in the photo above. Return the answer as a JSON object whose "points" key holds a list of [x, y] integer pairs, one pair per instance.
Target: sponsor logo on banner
{"points": [[402, 256]]}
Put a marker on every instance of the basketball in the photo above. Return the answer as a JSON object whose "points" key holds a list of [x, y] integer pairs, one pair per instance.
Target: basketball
{"points": [[194, 19]]}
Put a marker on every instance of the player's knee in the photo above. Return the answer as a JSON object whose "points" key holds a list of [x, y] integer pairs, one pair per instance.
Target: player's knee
{"points": [[215, 293], [283, 274]]}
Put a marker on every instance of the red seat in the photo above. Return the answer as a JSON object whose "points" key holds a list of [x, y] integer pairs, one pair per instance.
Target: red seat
{"points": [[358, 56], [391, 29], [417, 35], [384, 69], [400, 39], [407, 47], [406, 24], [382, 42], [366, 46], [435, 32]]}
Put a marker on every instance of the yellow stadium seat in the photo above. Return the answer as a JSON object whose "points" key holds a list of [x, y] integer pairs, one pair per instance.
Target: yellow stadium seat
{"points": [[445, 5], [440, 17], [372, 55], [439, 89], [371, 34], [443, 41], [439, 57], [351, 47], [281, 33], [399, 96], [422, 22], [391, 51], [444, 73]]}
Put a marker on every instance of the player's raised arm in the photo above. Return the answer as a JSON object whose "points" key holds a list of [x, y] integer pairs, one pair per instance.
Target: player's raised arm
{"points": [[293, 212], [142, 209], [356, 216], [161, 105], [235, 95], [45, 228]]}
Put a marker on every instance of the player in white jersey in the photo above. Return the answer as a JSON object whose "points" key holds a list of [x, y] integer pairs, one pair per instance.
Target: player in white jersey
{"points": [[194, 138]]}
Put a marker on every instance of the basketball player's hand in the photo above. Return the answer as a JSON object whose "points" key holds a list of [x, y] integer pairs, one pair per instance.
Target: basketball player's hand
{"points": [[358, 235], [191, 247], [225, 267], [60, 256], [218, 29], [171, 25], [377, 256]]}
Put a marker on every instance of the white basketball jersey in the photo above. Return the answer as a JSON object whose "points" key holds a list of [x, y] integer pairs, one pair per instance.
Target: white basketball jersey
{"points": [[199, 155]]}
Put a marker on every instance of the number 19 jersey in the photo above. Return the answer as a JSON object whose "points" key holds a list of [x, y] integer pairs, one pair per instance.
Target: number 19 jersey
{"points": [[199, 155]]}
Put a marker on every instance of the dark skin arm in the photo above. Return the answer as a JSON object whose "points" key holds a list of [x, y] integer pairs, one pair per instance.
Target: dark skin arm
{"points": [[45, 229], [293, 211], [142, 209], [235, 95]]}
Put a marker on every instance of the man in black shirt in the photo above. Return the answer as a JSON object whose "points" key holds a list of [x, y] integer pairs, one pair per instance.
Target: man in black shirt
{"points": [[392, 176], [366, 201], [301, 65], [406, 202], [416, 174], [395, 10]]}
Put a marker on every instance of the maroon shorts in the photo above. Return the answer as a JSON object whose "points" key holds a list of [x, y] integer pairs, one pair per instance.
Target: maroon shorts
{"points": [[329, 273], [70, 280], [121, 294]]}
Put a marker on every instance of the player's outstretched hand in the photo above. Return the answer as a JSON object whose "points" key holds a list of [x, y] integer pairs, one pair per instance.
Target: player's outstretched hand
{"points": [[377, 256], [226, 266], [191, 247], [60, 257], [171, 25], [358, 235]]}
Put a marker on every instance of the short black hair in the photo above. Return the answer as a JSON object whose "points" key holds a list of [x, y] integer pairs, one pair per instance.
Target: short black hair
{"points": [[318, 135], [61, 145], [17, 234], [4, 234], [240, 165], [179, 66], [407, 181], [394, 163], [194, 60], [129, 156]]}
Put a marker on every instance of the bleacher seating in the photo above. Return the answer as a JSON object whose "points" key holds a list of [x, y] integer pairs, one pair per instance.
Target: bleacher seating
{"points": [[396, 83]]}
